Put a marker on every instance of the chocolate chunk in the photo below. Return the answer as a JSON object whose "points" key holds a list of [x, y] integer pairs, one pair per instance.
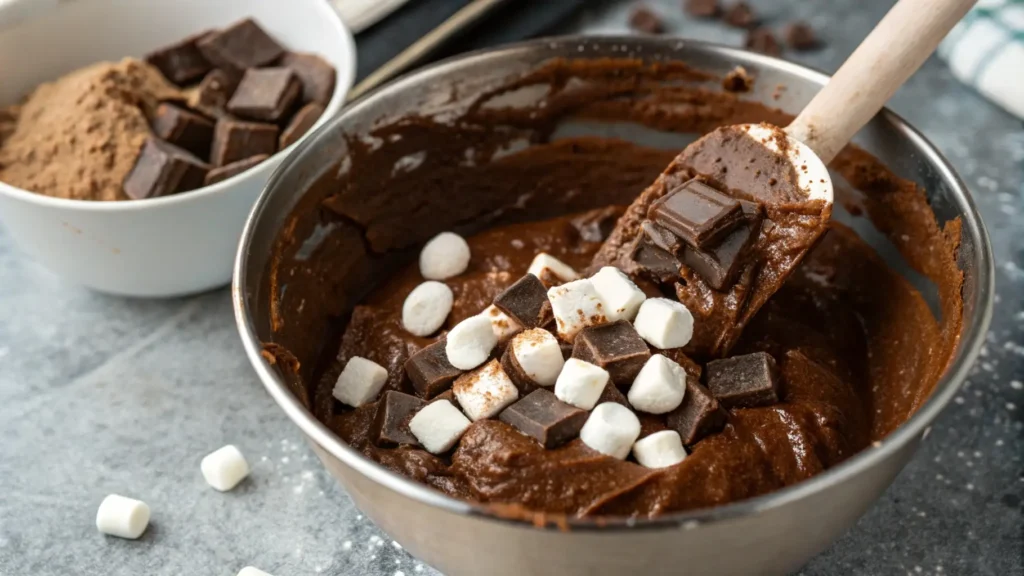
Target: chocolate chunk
{"points": [[163, 169], [800, 36], [744, 381], [719, 264], [702, 8], [566, 349], [429, 370], [235, 168], [181, 62], [317, 76], [698, 415], [183, 128], [240, 46], [235, 140], [391, 423], [740, 15], [659, 264], [596, 225], [762, 40], [611, 393], [616, 347], [212, 95], [696, 213], [265, 94], [524, 301], [644, 20], [300, 124], [545, 418]]}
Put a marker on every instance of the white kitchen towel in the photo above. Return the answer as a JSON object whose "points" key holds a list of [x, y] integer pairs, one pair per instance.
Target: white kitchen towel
{"points": [[986, 50]]}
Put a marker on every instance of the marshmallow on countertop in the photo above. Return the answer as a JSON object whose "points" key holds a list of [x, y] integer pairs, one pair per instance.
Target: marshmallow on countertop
{"points": [[502, 324], [659, 450], [470, 342], [659, 387], [426, 308], [224, 468], [664, 323], [122, 517], [251, 571], [444, 256], [581, 383], [360, 382], [575, 306], [438, 426], [552, 265], [539, 355], [622, 298], [485, 392], [611, 429]]}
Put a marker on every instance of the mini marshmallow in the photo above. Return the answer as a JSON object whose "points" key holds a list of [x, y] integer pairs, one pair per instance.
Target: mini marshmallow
{"points": [[469, 344], [539, 355], [622, 298], [664, 323], [659, 387], [581, 383], [438, 426], [250, 571], [575, 306], [360, 382], [556, 267], [426, 308], [485, 392], [659, 450], [611, 429], [224, 468], [502, 324], [122, 517], [444, 256]]}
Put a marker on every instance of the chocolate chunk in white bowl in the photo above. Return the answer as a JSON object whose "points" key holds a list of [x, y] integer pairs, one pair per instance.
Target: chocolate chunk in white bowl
{"points": [[266, 94], [240, 46], [181, 62], [162, 169]]}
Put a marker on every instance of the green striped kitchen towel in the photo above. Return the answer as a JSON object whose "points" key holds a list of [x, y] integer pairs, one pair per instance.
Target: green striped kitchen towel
{"points": [[986, 50]]}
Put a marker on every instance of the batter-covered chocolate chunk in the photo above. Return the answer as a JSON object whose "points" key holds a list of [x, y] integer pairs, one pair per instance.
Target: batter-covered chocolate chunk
{"points": [[240, 46], [698, 415], [183, 128], [163, 169], [430, 371], [391, 422], [719, 263], [650, 259], [696, 213], [616, 347], [181, 62], [524, 301], [545, 418], [744, 381], [265, 94]]}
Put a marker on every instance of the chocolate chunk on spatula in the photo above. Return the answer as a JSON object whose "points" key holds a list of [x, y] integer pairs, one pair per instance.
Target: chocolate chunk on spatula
{"points": [[782, 171]]}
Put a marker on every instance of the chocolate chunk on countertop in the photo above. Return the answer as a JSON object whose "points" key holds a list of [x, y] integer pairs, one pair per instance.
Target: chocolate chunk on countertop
{"points": [[616, 347], [390, 425], [240, 46], [763, 40], [744, 381], [183, 128], [181, 62], [740, 15], [545, 418], [162, 169], [266, 94], [222, 173], [702, 8], [800, 36], [645, 20], [317, 75], [235, 140], [430, 371]]}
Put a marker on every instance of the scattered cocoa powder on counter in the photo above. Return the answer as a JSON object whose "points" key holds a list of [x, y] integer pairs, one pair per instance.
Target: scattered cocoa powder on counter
{"points": [[79, 136]]}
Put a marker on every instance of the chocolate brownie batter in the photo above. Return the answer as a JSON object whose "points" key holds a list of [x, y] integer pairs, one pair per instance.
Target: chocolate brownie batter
{"points": [[857, 346]]}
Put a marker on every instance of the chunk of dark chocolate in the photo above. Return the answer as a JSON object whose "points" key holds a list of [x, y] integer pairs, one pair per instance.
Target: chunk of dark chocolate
{"points": [[763, 40], [611, 393], [183, 128], [240, 46], [181, 62], [430, 371], [162, 169], [696, 213], [300, 124], [235, 168], [718, 264], [316, 74], [524, 301], [545, 418], [212, 95], [744, 381], [698, 415], [740, 15], [800, 36], [265, 94], [701, 8], [616, 347], [235, 140], [390, 424], [645, 20], [657, 263]]}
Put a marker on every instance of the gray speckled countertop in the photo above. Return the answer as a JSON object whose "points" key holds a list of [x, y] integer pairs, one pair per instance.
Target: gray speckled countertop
{"points": [[101, 394]]}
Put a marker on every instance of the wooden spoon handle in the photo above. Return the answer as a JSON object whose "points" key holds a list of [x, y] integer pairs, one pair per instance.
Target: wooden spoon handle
{"points": [[896, 48]]}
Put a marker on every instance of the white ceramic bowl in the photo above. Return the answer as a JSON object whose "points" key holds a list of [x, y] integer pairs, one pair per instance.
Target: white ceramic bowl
{"points": [[159, 247]]}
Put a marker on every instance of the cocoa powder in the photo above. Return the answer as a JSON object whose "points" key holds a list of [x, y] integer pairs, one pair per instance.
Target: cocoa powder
{"points": [[79, 136]]}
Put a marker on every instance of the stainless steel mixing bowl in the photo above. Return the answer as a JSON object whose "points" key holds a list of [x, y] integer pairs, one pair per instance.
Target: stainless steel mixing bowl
{"points": [[771, 534]]}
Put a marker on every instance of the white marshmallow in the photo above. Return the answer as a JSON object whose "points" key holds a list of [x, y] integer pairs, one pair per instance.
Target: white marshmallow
{"points": [[444, 256], [611, 429], [664, 323], [659, 450], [575, 306], [438, 426], [485, 392], [224, 468], [659, 387], [503, 325], [580, 383], [559, 269], [360, 382], [539, 355], [470, 342], [122, 517], [250, 571], [426, 308], [622, 298]]}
